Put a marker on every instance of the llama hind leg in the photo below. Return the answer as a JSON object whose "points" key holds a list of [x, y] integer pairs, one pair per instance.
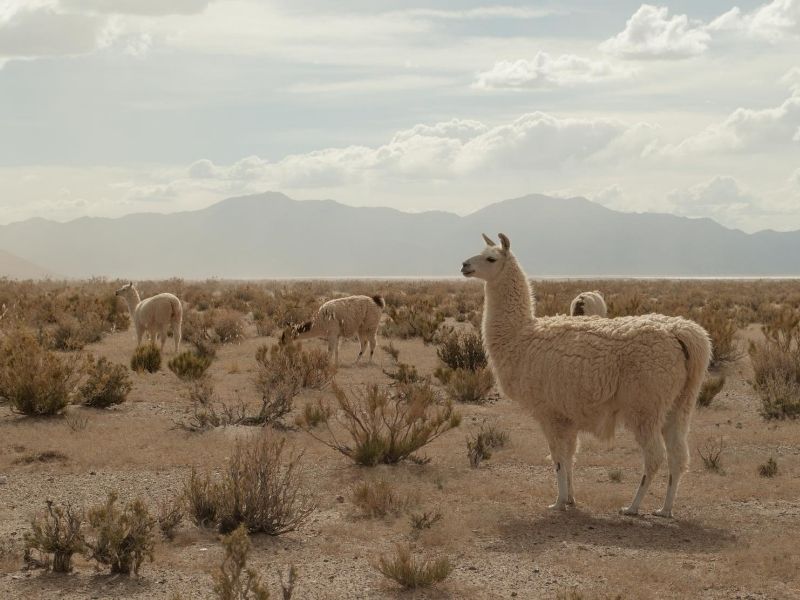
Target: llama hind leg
{"points": [[372, 343], [675, 431], [363, 341], [559, 455], [571, 445], [653, 449]]}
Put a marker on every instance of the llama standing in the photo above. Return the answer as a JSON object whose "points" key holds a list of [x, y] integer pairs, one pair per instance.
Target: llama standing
{"points": [[588, 304], [343, 317], [579, 374], [153, 315]]}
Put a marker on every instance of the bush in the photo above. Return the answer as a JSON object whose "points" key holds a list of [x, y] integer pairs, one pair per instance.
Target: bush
{"points": [[146, 358], [776, 372], [378, 499], [170, 515], [387, 430], [406, 323], [480, 446], [57, 532], [722, 330], [462, 351], [425, 519], [411, 572], [711, 454], [283, 371], [711, 387], [470, 387], [34, 380], [108, 384], [234, 580], [228, 327], [71, 334], [123, 539], [200, 497], [769, 468], [189, 366]]}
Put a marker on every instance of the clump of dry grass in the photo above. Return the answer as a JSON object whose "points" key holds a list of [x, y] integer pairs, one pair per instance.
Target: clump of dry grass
{"points": [[123, 538], [412, 321], [34, 380], [228, 326], [412, 572], [107, 384], [379, 498], [146, 358], [711, 454], [404, 373], [712, 386], [189, 366], [769, 468], [480, 446], [776, 366], [425, 519], [170, 516], [59, 531], [260, 488], [722, 330], [469, 387], [386, 429], [462, 351], [234, 580], [615, 475]]}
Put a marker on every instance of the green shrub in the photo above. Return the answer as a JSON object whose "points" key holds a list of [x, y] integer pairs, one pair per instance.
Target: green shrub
{"points": [[146, 358], [411, 572], [123, 538], [107, 384], [34, 380], [189, 366], [57, 532]]}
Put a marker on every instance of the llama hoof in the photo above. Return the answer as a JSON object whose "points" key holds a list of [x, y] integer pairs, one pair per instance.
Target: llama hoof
{"points": [[629, 511], [664, 514], [558, 506], [570, 501]]}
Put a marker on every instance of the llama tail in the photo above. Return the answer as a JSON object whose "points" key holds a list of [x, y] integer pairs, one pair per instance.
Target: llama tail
{"points": [[378, 299], [696, 346]]}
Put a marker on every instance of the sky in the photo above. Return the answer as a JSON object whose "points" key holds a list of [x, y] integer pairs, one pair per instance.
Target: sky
{"points": [[109, 107]]}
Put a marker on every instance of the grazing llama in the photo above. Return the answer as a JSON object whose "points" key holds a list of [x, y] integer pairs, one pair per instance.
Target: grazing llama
{"points": [[153, 315], [343, 317], [579, 374], [588, 304]]}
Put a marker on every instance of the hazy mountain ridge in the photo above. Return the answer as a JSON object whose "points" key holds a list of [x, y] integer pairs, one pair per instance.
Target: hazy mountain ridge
{"points": [[271, 235]]}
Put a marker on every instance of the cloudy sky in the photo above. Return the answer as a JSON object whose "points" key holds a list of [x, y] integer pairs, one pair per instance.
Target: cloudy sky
{"points": [[109, 107]]}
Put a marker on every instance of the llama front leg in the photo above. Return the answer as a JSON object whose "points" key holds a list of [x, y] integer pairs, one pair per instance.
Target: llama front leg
{"points": [[363, 341], [569, 462], [562, 478], [653, 450], [372, 343]]}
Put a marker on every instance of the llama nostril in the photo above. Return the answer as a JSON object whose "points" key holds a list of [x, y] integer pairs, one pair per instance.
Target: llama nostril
{"points": [[464, 265]]}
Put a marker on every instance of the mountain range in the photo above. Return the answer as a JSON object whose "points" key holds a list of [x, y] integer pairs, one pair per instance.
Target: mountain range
{"points": [[271, 235]]}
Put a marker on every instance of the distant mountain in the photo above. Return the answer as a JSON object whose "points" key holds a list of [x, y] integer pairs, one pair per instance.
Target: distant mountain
{"points": [[14, 267], [271, 235]]}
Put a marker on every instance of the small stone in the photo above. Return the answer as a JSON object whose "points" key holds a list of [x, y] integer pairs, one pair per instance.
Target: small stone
{"points": [[3, 479], [340, 499]]}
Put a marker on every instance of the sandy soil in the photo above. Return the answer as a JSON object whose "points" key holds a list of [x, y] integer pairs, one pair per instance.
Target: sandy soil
{"points": [[734, 535]]}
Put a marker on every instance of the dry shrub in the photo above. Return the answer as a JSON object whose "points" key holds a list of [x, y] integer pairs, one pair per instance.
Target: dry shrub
{"points": [[34, 380], [712, 386], [462, 351], [769, 468], [234, 580], [404, 373], [379, 498], [425, 519], [283, 371], [123, 538], [386, 429], [412, 572], [228, 326], [711, 454], [107, 384], [170, 515], [260, 488], [721, 329], [776, 373], [146, 358], [470, 387], [409, 322], [58, 532], [189, 366], [480, 446], [314, 413]]}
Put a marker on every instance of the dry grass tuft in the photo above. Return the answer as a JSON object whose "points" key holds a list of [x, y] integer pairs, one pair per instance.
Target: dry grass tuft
{"points": [[234, 580], [379, 498], [146, 358], [123, 538], [711, 454], [107, 384], [170, 516], [412, 572], [768, 469], [712, 386], [189, 366], [480, 446], [59, 531]]}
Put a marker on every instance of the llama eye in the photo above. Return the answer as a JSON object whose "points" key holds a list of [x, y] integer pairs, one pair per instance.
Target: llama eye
{"points": [[490, 259]]}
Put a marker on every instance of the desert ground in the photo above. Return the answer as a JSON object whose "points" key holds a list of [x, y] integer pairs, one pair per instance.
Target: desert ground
{"points": [[734, 533]]}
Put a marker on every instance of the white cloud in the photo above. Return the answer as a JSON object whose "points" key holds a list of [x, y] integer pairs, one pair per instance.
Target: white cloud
{"points": [[772, 21], [747, 129], [652, 33], [545, 70], [480, 12], [722, 198], [138, 7]]}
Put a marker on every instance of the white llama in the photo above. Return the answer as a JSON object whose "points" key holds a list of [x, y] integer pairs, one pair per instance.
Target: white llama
{"points": [[578, 374], [588, 304], [153, 315], [343, 317]]}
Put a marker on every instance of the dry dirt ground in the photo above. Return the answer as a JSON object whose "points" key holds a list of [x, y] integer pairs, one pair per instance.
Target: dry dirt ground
{"points": [[734, 536]]}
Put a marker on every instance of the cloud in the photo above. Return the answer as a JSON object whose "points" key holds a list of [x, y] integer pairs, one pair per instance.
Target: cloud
{"points": [[773, 21], [652, 33], [747, 129], [38, 30], [722, 198], [545, 70], [480, 12], [138, 7]]}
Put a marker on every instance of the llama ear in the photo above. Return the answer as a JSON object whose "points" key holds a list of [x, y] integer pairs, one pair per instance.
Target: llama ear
{"points": [[504, 241], [488, 240]]}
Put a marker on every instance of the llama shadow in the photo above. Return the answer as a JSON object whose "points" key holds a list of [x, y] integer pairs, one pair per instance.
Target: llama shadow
{"points": [[539, 534], [51, 585]]}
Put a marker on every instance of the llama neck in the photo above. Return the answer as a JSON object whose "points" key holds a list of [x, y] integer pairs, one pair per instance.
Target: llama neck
{"points": [[132, 300], [508, 306]]}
